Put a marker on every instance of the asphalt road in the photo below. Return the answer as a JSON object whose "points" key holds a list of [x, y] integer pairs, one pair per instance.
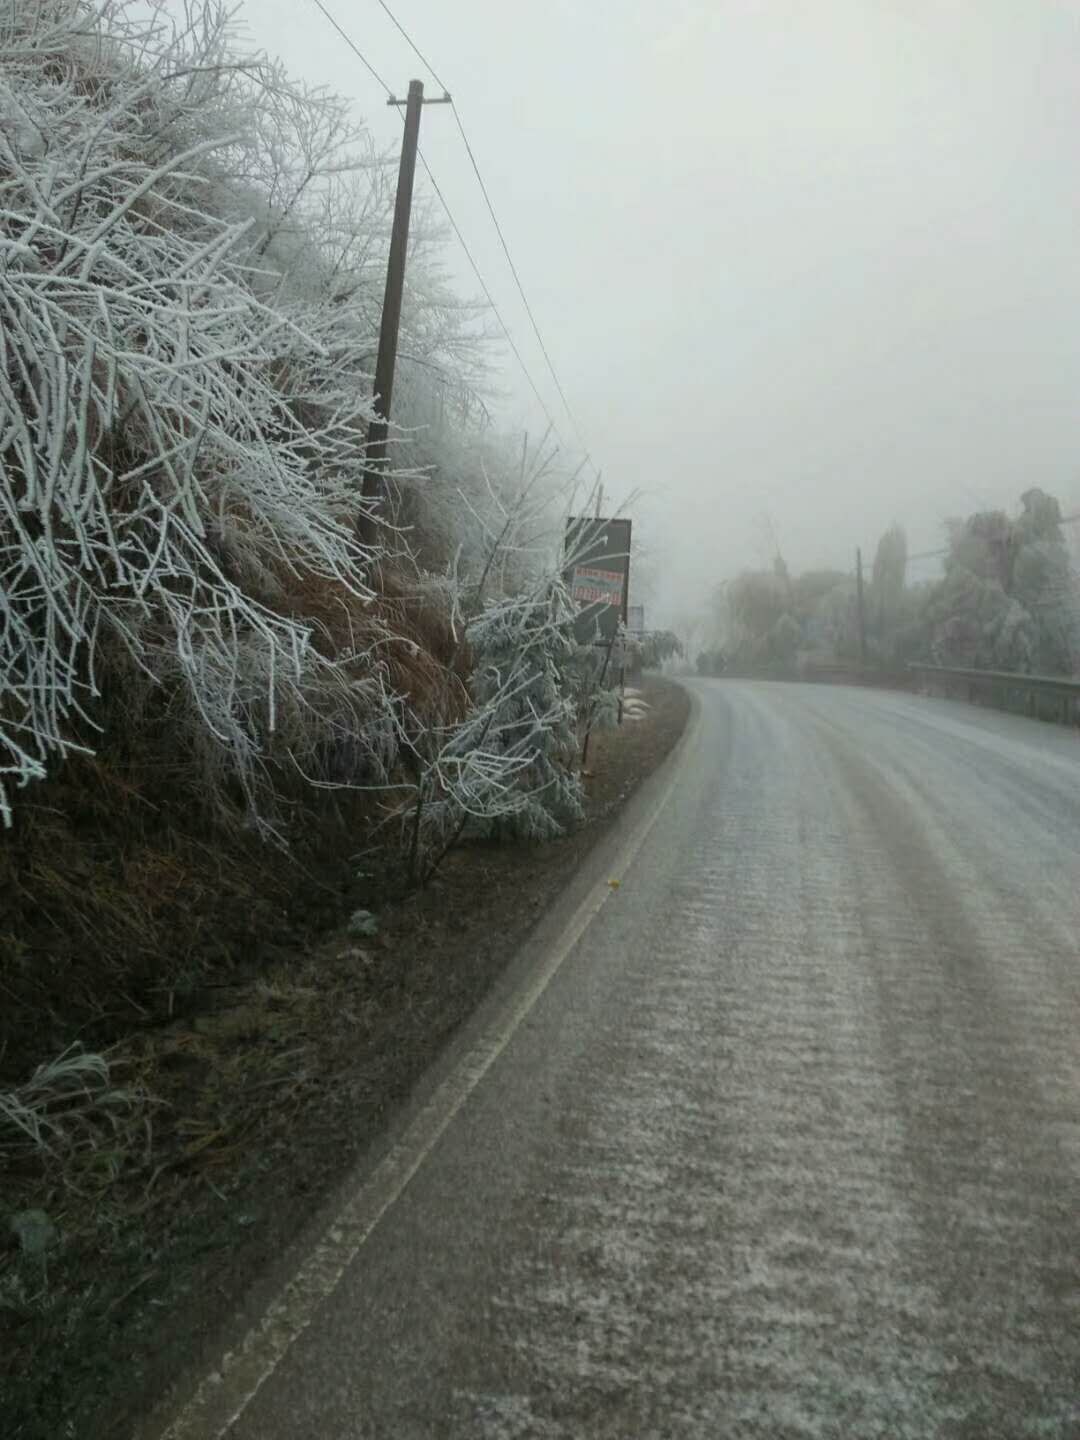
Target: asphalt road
{"points": [[789, 1145]]}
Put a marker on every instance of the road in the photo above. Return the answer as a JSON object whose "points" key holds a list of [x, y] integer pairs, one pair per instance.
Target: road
{"points": [[785, 1144]]}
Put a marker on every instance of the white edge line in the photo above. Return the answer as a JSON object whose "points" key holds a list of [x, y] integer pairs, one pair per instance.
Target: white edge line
{"points": [[244, 1371]]}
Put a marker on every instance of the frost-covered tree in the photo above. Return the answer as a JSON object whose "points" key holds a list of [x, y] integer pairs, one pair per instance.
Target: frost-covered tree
{"points": [[524, 648], [656, 647], [887, 581], [1046, 585], [1009, 599], [177, 451], [784, 640], [756, 601], [192, 253], [507, 765]]}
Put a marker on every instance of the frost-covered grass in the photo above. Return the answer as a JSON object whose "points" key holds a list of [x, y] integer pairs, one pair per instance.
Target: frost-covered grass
{"points": [[72, 1112]]}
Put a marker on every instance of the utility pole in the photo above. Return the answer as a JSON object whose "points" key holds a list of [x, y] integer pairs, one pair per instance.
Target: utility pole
{"points": [[375, 456], [862, 605]]}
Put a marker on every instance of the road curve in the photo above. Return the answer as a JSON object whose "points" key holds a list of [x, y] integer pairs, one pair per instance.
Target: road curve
{"points": [[789, 1146]]}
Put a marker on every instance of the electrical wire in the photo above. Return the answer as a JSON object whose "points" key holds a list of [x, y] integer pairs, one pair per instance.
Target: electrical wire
{"points": [[517, 278], [450, 215], [487, 293], [354, 48], [495, 222], [414, 47]]}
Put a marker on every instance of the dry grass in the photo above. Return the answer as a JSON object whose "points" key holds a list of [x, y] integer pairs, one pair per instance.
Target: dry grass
{"points": [[404, 629], [126, 879], [72, 1114]]}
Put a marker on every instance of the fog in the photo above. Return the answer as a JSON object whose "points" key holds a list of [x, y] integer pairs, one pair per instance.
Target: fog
{"points": [[803, 270]]}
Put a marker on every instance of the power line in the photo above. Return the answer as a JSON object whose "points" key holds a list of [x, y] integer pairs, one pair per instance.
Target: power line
{"points": [[450, 215], [354, 48], [414, 47], [487, 293], [517, 277], [494, 220]]}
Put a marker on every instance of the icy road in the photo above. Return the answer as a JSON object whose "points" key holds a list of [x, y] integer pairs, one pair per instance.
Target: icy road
{"points": [[778, 1138]]}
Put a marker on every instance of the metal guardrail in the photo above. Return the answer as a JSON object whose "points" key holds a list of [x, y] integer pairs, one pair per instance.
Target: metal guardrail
{"points": [[817, 673], [1050, 697], [1045, 697]]}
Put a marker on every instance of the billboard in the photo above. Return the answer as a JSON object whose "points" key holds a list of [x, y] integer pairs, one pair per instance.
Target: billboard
{"points": [[598, 575]]}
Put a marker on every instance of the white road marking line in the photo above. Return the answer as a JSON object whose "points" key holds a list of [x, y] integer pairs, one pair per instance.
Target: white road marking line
{"points": [[229, 1391]]}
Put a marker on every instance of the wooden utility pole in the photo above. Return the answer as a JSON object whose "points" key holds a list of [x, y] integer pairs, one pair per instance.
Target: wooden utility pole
{"points": [[862, 606], [375, 456]]}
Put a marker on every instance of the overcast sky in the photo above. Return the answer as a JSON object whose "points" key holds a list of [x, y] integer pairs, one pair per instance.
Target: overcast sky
{"points": [[807, 264]]}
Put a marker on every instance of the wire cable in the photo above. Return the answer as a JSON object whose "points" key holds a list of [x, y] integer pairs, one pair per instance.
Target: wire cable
{"points": [[494, 220], [487, 293], [354, 48], [414, 47], [455, 227], [517, 278]]}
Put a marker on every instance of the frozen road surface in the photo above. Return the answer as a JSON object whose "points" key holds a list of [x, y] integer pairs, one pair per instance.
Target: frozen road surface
{"points": [[784, 1142]]}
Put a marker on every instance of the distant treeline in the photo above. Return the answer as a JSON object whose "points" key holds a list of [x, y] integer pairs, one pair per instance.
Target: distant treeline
{"points": [[1009, 599]]}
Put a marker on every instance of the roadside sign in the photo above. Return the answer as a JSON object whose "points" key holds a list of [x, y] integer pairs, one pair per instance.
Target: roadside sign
{"points": [[635, 619], [598, 575]]}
